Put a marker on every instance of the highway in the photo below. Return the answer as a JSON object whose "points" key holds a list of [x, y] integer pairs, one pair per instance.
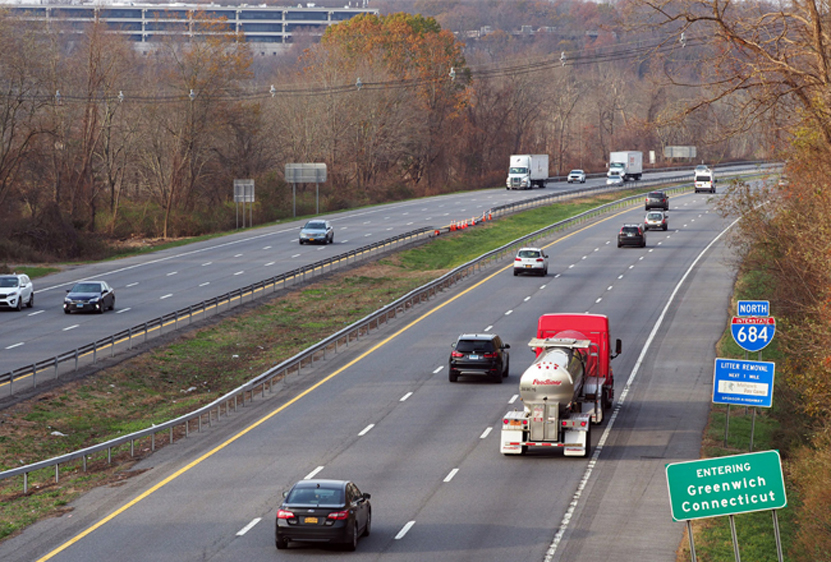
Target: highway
{"points": [[384, 415], [152, 285]]}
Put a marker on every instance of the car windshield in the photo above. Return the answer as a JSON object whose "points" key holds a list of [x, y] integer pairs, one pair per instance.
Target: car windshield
{"points": [[529, 254], [86, 288], [315, 225], [9, 282], [474, 346], [576, 172], [316, 496]]}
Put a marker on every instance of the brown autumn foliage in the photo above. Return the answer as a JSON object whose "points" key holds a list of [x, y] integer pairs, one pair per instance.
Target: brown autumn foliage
{"points": [[103, 143], [772, 66]]}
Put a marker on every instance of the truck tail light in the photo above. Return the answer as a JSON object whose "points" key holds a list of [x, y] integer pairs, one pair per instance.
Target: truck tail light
{"points": [[285, 514], [338, 515]]}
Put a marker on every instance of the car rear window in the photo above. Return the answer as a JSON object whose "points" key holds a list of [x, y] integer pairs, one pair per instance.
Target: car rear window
{"points": [[630, 229], [656, 195], [316, 496], [529, 254], [470, 346], [655, 216]]}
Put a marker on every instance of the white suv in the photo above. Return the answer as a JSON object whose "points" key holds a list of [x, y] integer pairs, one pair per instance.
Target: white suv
{"points": [[16, 289], [531, 260]]}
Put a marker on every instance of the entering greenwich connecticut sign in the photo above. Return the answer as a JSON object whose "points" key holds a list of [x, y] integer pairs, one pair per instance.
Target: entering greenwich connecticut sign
{"points": [[726, 485]]}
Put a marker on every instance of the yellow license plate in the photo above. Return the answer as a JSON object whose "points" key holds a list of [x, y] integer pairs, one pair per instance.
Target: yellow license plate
{"points": [[514, 423], [310, 520]]}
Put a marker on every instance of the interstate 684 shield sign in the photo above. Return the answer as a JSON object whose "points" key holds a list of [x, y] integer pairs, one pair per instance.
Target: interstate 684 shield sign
{"points": [[753, 333]]}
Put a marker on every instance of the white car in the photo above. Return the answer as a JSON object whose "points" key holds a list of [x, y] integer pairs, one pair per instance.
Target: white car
{"points": [[531, 260], [614, 179], [578, 176], [16, 289]]}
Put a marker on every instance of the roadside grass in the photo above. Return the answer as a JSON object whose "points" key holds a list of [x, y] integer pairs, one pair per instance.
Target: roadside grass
{"points": [[754, 531], [203, 364]]}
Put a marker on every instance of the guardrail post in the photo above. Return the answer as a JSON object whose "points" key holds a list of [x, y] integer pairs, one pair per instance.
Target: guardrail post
{"points": [[25, 482], [76, 358], [145, 332], [57, 473], [56, 367], [94, 352], [34, 375], [190, 314], [112, 346], [171, 434], [199, 429], [132, 448], [153, 441], [109, 455], [130, 338], [85, 463], [187, 428]]}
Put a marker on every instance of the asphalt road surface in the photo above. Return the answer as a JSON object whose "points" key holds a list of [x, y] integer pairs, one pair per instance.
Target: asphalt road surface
{"points": [[384, 415]]}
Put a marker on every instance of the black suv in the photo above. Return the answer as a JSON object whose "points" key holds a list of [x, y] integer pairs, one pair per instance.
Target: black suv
{"points": [[479, 354], [632, 235], [657, 200]]}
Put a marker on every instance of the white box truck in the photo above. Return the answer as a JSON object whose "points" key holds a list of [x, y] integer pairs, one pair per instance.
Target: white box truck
{"points": [[527, 171], [628, 165]]}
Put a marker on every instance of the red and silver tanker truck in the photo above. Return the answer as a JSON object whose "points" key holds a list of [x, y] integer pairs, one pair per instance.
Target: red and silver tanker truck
{"points": [[567, 387]]}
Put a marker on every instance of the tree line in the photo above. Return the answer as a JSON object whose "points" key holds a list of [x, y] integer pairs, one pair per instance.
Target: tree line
{"points": [[103, 143]]}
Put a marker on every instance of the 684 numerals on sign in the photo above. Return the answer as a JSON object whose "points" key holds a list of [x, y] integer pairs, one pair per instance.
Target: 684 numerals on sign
{"points": [[753, 333]]}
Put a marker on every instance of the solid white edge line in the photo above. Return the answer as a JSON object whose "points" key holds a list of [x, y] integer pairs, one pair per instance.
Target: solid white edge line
{"points": [[365, 430], [486, 432], [404, 530], [248, 527], [313, 473], [405, 396], [450, 475], [558, 537]]}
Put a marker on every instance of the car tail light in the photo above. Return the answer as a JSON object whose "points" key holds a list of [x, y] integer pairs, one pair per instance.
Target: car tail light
{"points": [[456, 354], [489, 355], [285, 514], [517, 259], [338, 515], [539, 260]]}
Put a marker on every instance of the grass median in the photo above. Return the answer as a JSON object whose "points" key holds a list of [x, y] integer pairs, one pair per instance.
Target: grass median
{"points": [[203, 363]]}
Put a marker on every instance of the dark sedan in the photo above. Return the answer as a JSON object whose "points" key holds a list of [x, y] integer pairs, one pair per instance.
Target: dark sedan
{"points": [[89, 296], [323, 511]]}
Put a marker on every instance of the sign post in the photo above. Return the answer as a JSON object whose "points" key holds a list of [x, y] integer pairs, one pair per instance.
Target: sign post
{"points": [[305, 173], [244, 193], [753, 329]]}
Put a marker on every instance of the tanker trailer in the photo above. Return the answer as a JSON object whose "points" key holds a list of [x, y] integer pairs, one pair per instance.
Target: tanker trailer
{"points": [[566, 388]]}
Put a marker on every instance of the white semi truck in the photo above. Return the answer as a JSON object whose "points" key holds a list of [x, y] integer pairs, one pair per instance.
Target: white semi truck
{"points": [[527, 171], [566, 389], [628, 165]]}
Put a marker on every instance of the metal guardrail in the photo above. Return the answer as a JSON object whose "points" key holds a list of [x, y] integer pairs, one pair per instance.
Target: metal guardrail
{"points": [[69, 361], [279, 374]]}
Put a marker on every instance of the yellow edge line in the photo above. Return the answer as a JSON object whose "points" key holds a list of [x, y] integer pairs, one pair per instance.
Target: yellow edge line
{"points": [[259, 422]]}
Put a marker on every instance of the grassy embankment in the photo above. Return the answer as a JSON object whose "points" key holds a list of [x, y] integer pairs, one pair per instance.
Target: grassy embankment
{"points": [[755, 531], [206, 362]]}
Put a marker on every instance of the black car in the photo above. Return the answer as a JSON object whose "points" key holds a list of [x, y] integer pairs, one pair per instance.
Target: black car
{"points": [[90, 296], [479, 354], [632, 235], [323, 511], [657, 200]]}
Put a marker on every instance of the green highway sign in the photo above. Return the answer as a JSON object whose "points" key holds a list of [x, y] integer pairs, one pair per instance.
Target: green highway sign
{"points": [[726, 485]]}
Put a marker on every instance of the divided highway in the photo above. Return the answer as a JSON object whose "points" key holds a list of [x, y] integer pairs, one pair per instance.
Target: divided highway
{"points": [[384, 415]]}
